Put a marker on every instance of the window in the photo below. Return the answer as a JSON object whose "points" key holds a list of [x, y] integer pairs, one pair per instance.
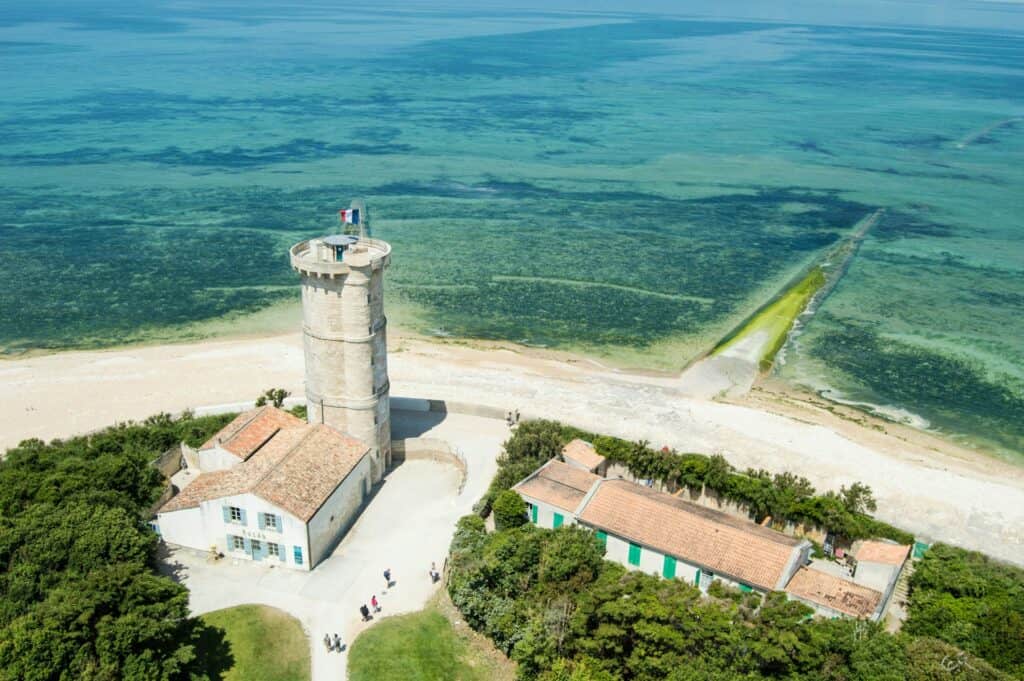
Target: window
{"points": [[257, 546], [533, 514], [237, 543], [668, 569], [559, 519], [634, 554], [298, 555], [273, 549], [603, 538], [269, 521], [236, 514]]}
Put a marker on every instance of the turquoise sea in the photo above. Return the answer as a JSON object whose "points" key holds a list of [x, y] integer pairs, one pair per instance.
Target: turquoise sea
{"points": [[610, 179]]}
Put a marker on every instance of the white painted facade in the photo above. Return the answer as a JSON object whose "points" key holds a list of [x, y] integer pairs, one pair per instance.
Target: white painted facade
{"points": [[337, 514], [206, 526], [542, 514], [653, 562], [216, 458]]}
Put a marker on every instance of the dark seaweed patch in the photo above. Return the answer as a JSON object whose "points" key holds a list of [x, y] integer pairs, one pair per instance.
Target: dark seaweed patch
{"points": [[951, 391], [899, 225]]}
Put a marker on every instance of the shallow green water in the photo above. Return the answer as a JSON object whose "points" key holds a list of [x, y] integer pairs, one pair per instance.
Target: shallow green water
{"points": [[622, 184]]}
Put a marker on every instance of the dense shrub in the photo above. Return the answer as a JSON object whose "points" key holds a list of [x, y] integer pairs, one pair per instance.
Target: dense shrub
{"points": [[783, 496], [549, 600], [509, 510], [969, 600], [79, 596]]}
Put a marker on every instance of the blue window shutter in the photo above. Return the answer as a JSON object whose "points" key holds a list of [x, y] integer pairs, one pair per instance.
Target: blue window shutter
{"points": [[280, 552], [280, 527], [261, 520], [244, 521], [298, 555], [229, 544], [227, 513], [248, 546]]}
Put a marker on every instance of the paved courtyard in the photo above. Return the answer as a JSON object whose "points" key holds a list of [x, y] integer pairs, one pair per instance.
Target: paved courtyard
{"points": [[407, 524]]}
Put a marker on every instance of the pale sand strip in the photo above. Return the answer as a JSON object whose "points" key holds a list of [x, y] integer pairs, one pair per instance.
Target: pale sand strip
{"points": [[932, 488]]}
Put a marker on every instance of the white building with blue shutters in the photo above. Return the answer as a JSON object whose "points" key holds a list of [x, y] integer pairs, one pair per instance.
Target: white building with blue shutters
{"points": [[279, 491]]}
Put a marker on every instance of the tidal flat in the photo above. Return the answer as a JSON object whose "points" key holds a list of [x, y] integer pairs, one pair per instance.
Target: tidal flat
{"points": [[628, 186]]}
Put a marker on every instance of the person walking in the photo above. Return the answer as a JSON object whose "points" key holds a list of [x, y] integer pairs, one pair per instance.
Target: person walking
{"points": [[327, 642], [338, 645], [387, 578], [365, 612], [374, 604]]}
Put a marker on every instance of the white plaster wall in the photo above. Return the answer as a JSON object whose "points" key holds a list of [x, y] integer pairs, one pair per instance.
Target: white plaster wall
{"points": [[216, 459], [617, 550], [651, 561], [546, 513], [184, 528], [339, 511]]}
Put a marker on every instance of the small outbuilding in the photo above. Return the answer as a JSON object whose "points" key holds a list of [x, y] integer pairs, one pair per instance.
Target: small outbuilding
{"points": [[581, 454], [832, 596]]}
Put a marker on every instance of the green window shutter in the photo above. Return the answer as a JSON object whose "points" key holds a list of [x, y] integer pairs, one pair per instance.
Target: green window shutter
{"points": [[533, 513], [227, 513], [696, 579], [603, 538], [744, 587], [634, 554], [558, 520], [668, 569], [297, 552]]}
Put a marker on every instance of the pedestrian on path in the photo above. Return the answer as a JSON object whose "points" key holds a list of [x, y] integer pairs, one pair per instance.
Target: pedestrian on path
{"points": [[338, 645], [387, 578], [374, 604], [327, 642], [365, 612]]}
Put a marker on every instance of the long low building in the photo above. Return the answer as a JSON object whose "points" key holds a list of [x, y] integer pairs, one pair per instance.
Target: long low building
{"points": [[659, 533], [271, 488]]}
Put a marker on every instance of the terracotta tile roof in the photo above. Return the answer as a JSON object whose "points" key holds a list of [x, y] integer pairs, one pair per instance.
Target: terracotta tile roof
{"points": [[583, 453], [251, 429], [558, 484], [302, 482], [702, 536], [297, 470], [834, 592], [882, 552]]}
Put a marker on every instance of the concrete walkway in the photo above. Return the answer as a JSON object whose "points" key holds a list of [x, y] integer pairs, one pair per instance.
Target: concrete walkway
{"points": [[407, 525]]}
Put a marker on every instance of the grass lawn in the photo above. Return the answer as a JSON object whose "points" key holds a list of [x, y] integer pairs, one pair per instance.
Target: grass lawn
{"points": [[425, 646], [263, 644]]}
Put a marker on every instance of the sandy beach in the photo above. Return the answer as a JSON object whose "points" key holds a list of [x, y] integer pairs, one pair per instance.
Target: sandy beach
{"points": [[925, 484]]}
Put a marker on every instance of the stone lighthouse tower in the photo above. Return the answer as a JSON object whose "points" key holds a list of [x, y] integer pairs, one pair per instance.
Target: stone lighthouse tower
{"points": [[345, 337]]}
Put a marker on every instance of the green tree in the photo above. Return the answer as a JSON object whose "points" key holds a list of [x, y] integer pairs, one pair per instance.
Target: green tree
{"points": [[509, 510], [274, 396]]}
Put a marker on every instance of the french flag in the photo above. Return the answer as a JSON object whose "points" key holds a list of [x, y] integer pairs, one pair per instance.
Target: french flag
{"points": [[349, 216]]}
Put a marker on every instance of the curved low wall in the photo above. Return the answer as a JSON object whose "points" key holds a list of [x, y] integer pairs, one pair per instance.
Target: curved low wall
{"points": [[430, 449]]}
